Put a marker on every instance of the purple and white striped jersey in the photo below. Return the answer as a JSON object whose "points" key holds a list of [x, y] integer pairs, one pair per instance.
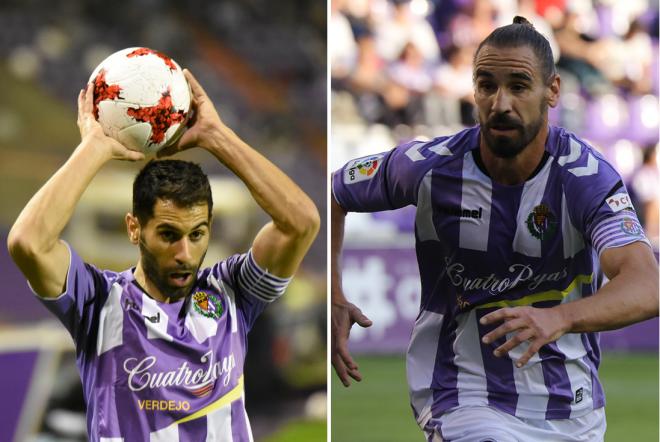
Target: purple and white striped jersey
{"points": [[482, 245], [153, 371]]}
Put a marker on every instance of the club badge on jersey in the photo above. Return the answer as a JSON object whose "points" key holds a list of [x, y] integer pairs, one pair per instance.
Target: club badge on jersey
{"points": [[207, 304], [541, 222]]}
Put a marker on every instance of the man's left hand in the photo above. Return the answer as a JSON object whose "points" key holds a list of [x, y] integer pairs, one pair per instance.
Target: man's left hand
{"points": [[538, 326]]}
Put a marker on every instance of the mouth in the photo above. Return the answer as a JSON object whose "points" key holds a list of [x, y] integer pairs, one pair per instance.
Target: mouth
{"points": [[180, 279], [501, 129]]}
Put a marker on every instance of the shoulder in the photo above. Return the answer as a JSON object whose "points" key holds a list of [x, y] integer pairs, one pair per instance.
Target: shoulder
{"points": [[578, 162], [440, 150]]}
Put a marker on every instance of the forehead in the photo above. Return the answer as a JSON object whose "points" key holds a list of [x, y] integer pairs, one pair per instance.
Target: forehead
{"points": [[505, 61], [166, 212]]}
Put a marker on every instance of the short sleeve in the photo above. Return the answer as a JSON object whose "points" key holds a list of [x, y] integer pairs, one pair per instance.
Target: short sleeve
{"points": [[253, 286], [76, 306], [600, 203], [384, 181]]}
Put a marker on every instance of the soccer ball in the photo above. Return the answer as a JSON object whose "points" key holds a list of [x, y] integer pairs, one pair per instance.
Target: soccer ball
{"points": [[141, 98]]}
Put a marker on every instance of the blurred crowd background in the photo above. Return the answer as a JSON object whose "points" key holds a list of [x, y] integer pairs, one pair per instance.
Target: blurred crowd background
{"points": [[264, 65], [403, 68]]}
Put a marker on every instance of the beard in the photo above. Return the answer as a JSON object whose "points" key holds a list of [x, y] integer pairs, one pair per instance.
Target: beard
{"points": [[509, 146], [159, 276]]}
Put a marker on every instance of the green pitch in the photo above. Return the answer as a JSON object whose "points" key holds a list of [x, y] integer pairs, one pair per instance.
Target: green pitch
{"points": [[301, 431], [377, 409]]}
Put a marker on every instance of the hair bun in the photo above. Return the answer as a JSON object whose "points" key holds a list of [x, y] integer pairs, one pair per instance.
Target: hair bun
{"points": [[519, 20]]}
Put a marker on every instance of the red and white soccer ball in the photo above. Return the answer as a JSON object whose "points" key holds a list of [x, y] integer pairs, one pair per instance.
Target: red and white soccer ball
{"points": [[141, 98]]}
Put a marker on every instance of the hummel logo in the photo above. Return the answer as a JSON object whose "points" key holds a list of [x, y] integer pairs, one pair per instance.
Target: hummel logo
{"points": [[463, 213], [153, 319]]}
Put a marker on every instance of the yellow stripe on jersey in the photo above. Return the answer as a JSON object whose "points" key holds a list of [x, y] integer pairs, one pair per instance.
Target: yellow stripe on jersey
{"points": [[550, 295], [234, 394]]}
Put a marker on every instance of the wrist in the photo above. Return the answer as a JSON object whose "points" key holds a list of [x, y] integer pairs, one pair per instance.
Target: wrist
{"points": [[95, 150], [221, 138], [565, 317]]}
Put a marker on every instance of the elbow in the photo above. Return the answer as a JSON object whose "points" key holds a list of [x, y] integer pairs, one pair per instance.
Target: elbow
{"points": [[19, 244], [305, 222], [309, 222]]}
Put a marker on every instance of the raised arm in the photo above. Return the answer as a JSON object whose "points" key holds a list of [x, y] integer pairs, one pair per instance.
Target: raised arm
{"points": [[280, 245], [34, 240], [343, 313]]}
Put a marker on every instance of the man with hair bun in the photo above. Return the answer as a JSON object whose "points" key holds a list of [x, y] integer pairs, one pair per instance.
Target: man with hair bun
{"points": [[517, 222]]}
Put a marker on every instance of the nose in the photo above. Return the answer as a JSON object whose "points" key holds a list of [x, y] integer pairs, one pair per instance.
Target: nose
{"points": [[502, 102], [183, 251]]}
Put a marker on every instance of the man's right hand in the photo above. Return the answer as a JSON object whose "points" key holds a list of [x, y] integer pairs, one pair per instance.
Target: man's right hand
{"points": [[344, 315], [91, 131]]}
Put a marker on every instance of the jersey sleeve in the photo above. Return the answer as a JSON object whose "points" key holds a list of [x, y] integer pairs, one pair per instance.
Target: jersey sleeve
{"points": [[253, 286], [77, 305], [383, 181], [600, 203]]}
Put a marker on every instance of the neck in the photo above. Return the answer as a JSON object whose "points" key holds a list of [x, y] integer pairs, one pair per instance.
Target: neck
{"points": [[147, 285], [516, 170]]}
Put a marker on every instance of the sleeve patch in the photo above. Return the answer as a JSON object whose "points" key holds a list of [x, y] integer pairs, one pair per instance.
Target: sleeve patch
{"points": [[619, 202], [362, 169]]}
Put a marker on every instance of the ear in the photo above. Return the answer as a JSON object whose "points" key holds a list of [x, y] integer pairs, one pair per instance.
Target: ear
{"points": [[552, 92], [133, 228]]}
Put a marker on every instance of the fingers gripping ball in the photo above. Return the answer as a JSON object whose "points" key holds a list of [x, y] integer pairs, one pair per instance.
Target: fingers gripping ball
{"points": [[141, 98]]}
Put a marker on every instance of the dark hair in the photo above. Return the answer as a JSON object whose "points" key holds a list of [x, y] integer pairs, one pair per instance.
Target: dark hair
{"points": [[181, 182], [522, 33]]}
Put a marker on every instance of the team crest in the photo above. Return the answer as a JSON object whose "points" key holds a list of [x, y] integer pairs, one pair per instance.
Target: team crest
{"points": [[630, 226], [541, 223], [207, 304]]}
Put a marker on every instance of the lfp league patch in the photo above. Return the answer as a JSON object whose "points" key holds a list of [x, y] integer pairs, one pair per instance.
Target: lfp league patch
{"points": [[362, 169]]}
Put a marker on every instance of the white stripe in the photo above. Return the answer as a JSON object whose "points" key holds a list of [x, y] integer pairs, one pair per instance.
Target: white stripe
{"points": [[218, 425], [231, 300], [590, 169], [199, 325], [167, 434], [247, 420], [111, 439], [424, 217], [573, 241], [420, 362], [477, 191], [574, 154], [155, 330], [531, 197], [579, 373], [111, 322], [471, 378], [529, 381]]}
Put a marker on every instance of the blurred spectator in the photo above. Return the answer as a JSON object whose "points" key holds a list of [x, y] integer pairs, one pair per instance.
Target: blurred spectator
{"points": [[473, 23], [645, 185], [580, 55], [411, 77], [454, 101], [403, 26], [342, 47]]}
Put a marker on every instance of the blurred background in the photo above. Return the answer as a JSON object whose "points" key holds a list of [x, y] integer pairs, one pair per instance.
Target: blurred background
{"points": [[402, 69], [264, 65]]}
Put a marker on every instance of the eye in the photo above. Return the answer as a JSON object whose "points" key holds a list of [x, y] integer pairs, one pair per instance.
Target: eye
{"points": [[486, 86], [168, 236], [518, 87], [197, 235]]}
